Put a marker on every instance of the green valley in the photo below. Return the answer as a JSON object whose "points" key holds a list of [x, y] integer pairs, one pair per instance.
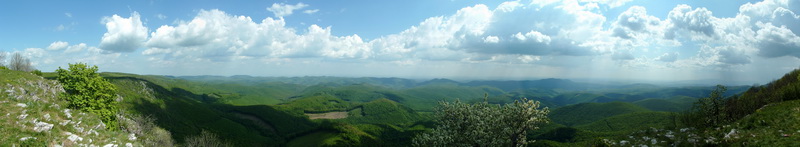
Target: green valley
{"points": [[331, 111]]}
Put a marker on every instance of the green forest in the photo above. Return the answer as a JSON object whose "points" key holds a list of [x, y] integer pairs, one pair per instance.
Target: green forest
{"points": [[153, 110]]}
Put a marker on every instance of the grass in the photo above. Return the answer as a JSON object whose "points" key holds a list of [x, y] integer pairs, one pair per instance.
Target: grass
{"points": [[28, 100], [774, 125]]}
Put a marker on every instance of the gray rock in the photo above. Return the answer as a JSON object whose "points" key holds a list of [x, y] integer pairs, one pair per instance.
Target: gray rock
{"points": [[42, 126]]}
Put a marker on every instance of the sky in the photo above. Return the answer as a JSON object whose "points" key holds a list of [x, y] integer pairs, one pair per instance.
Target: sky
{"points": [[724, 41]]}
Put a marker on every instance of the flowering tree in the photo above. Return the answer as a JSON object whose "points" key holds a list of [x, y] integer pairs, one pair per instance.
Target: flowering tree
{"points": [[483, 124]]}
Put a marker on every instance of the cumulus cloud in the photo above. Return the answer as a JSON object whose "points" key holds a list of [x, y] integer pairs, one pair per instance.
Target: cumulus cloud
{"points": [[777, 41], [58, 45], [559, 28], [281, 9], [124, 34], [514, 32], [610, 3], [668, 57], [217, 36], [634, 21], [684, 18], [76, 48], [730, 55]]}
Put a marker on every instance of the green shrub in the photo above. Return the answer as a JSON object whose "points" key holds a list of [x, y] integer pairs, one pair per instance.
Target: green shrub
{"points": [[37, 72], [87, 91]]}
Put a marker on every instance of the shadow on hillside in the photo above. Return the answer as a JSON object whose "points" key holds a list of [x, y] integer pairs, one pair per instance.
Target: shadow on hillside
{"points": [[185, 114]]}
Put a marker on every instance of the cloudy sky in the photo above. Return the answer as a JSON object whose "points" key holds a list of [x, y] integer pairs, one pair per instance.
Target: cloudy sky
{"points": [[723, 40]]}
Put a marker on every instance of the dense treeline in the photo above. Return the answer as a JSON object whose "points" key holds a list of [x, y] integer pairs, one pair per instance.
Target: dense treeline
{"points": [[716, 110]]}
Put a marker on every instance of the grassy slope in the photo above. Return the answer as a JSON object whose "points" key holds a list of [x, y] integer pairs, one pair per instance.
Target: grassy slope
{"points": [[769, 125], [41, 105]]}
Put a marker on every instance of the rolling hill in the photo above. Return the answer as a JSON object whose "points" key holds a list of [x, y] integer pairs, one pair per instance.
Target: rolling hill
{"points": [[585, 113]]}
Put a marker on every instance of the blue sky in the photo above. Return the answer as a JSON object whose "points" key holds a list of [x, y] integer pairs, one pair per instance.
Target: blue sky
{"points": [[725, 41]]}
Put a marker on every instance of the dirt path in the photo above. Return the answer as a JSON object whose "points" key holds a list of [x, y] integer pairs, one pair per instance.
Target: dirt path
{"points": [[329, 115]]}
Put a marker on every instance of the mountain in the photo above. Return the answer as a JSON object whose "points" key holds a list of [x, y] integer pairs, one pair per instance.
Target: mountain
{"points": [[439, 81], [550, 83]]}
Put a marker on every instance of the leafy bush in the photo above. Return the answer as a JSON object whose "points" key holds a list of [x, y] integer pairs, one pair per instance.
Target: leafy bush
{"points": [[87, 91], [483, 124], [37, 72]]}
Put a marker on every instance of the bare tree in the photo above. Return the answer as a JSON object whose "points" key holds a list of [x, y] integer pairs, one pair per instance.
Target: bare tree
{"points": [[20, 63], [2, 58], [205, 139]]}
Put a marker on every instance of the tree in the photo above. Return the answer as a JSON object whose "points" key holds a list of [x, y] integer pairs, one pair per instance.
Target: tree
{"points": [[709, 111], [20, 63], [2, 59], [87, 91], [483, 124], [205, 139]]}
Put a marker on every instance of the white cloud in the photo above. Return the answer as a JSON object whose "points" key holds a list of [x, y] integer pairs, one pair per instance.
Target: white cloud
{"points": [[216, 36], [668, 57], [491, 39], [281, 9], [124, 34], [633, 22], [68, 14], [33, 52], [76, 48], [161, 16], [58, 45], [562, 28], [726, 55], [61, 27], [777, 41], [696, 21], [311, 11], [610, 3], [564, 36]]}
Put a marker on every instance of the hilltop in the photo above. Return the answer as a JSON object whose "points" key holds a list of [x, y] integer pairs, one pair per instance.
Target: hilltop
{"points": [[36, 116]]}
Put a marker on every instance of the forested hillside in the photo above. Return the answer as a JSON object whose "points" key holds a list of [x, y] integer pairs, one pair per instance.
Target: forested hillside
{"points": [[311, 111]]}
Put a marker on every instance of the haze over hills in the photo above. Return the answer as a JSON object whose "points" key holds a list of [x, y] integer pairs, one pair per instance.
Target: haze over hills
{"points": [[302, 111], [388, 73]]}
